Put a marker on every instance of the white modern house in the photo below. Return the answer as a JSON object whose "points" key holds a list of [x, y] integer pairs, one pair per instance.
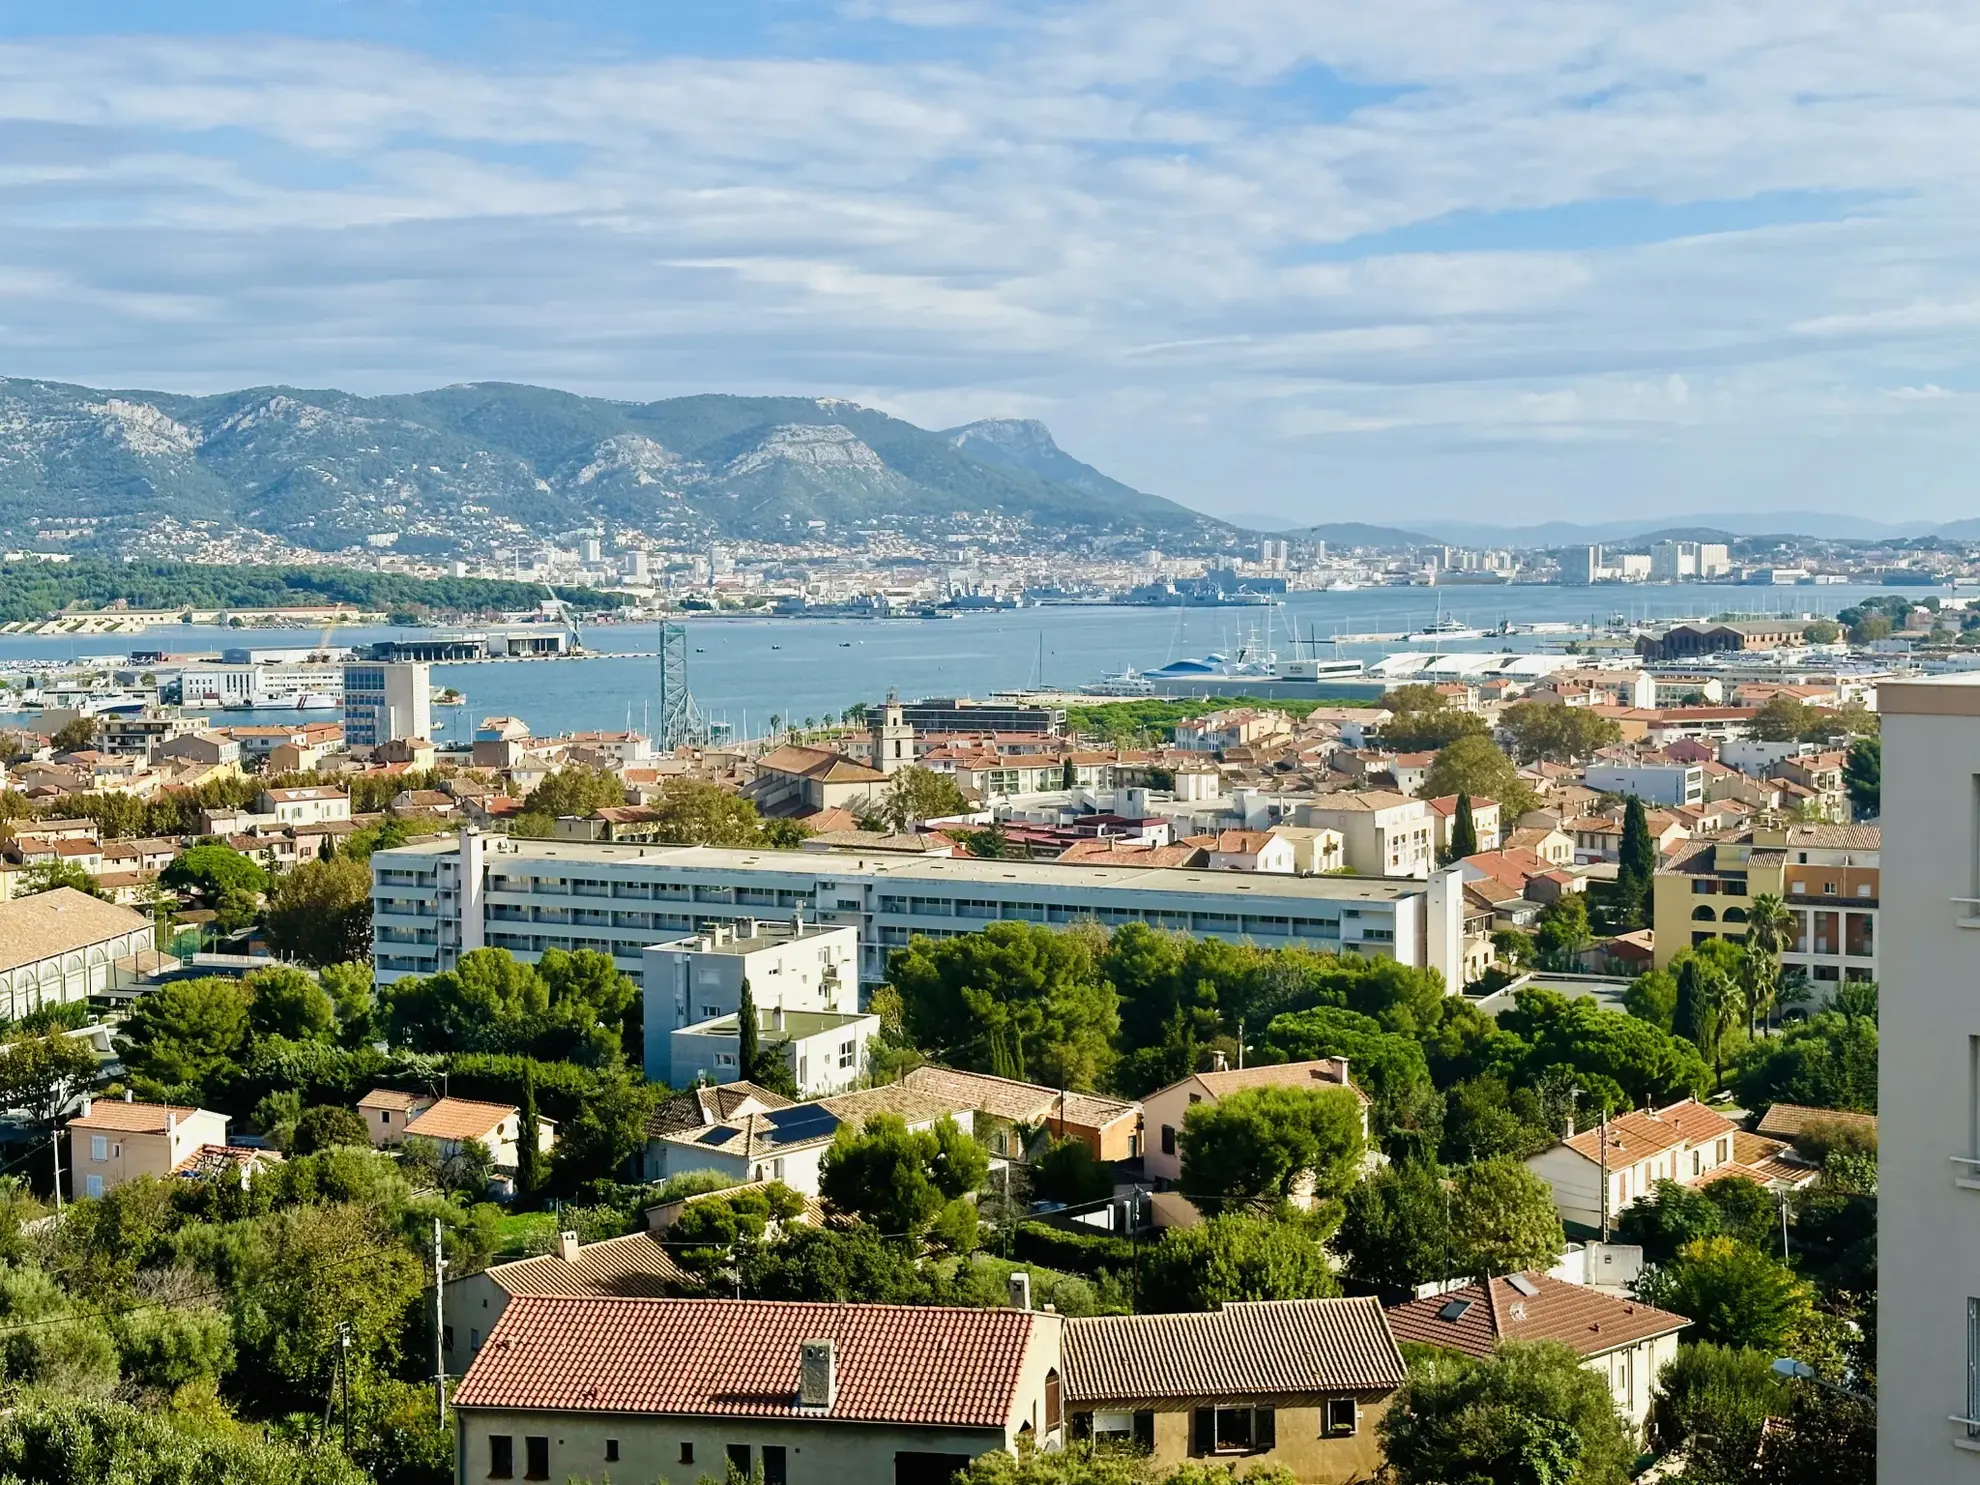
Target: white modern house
{"points": [[825, 1050], [1653, 783]]}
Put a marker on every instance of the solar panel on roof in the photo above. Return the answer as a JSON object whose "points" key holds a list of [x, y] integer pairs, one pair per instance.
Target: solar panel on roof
{"points": [[721, 1134], [801, 1122], [1524, 1285], [1455, 1310]]}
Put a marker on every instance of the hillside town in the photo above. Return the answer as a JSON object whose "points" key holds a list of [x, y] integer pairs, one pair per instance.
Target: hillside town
{"points": [[1223, 1082]]}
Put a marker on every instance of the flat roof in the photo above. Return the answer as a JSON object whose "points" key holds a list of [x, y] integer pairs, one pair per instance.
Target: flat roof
{"points": [[910, 869], [771, 933], [796, 1023]]}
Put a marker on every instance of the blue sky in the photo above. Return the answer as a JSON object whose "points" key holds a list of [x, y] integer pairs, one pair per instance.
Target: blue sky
{"points": [[1333, 261]]}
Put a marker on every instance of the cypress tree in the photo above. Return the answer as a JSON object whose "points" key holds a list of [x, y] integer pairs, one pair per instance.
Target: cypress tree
{"points": [[529, 1157], [1464, 831], [746, 1048], [1636, 863]]}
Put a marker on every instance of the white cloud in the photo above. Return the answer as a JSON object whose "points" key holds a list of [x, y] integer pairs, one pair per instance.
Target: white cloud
{"points": [[1123, 216]]}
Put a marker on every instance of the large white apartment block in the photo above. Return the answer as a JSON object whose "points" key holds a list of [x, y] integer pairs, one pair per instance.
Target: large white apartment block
{"points": [[1928, 1104], [435, 899], [1383, 833], [1667, 784], [387, 701]]}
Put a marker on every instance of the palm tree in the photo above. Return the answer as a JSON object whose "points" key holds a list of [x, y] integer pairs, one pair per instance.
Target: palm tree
{"points": [[1769, 930]]}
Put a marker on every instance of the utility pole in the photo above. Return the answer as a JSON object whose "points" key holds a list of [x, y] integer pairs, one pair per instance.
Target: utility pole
{"points": [[55, 1149], [1604, 1135], [344, 1365], [439, 1327]]}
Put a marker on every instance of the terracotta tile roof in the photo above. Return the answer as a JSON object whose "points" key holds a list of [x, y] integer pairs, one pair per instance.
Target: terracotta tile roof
{"points": [[1298, 1346], [1786, 1120], [392, 1098], [1770, 1162], [1323, 1072], [1113, 851], [225, 1160], [699, 1107], [1586, 1320], [1836, 837], [1637, 1135], [820, 764], [1243, 842], [917, 1365], [46, 924], [460, 1119], [635, 1266], [132, 1118], [1022, 1103]]}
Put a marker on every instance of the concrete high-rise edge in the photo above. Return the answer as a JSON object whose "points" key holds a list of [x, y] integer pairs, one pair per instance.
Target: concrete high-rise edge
{"points": [[1928, 1308], [387, 701]]}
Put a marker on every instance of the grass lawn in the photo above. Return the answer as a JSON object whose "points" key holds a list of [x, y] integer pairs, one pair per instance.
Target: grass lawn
{"points": [[522, 1233]]}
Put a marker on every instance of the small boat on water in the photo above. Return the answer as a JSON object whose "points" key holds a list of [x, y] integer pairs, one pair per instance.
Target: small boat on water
{"points": [[318, 701]]}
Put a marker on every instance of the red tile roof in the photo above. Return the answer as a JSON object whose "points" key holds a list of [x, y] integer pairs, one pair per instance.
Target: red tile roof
{"points": [[1299, 1346], [1586, 1320], [1636, 1135], [910, 1364]]}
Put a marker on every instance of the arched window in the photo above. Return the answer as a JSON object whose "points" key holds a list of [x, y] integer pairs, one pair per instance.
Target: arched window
{"points": [[1735, 915], [1702, 914]]}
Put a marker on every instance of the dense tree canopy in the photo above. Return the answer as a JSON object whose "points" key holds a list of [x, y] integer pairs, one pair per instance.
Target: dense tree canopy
{"points": [[1733, 1294], [1548, 731], [1422, 719], [1258, 1147], [1475, 765], [320, 912], [1826, 1062], [905, 1181], [212, 869], [1232, 1258], [1503, 1219]]}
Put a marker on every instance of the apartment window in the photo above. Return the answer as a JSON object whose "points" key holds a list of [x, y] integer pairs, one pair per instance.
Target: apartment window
{"points": [[501, 1456], [1338, 1419], [92, 1185], [611, 1451], [99, 1147], [774, 1472], [1168, 1139], [739, 1459], [848, 1053], [1235, 1430], [536, 1458]]}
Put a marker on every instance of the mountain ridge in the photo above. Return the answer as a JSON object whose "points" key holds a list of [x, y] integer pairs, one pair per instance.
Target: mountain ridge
{"points": [[474, 465]]}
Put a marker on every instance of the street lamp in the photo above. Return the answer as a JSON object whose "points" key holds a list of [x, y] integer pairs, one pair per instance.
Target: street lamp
{"points": [[1800, 1371]]}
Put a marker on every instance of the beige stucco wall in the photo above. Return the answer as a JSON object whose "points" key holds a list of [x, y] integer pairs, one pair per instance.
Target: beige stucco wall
{"points": [[473, 1304], [1299, 1448], [128, 1156]]}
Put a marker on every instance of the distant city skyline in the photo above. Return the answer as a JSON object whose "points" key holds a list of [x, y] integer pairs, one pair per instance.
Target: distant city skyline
{"points": [[1439, 259]]}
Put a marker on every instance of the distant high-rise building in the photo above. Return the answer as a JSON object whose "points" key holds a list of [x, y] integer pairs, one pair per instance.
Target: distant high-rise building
{"points": [[1273, 554], [721, 561], [634, 566], [1580, 565], [1673, 561], [1713, 559], [593, 551], [387, 701]]}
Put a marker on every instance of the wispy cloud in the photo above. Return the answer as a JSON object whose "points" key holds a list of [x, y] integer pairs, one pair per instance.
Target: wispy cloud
{"points": [[1433, 252]]}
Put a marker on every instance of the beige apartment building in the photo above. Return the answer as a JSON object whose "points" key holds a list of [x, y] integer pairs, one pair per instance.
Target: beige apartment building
{"points": [[1383, 834]]}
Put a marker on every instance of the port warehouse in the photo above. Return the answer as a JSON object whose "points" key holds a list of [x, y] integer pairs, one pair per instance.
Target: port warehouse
{"points": [[436, 899]]}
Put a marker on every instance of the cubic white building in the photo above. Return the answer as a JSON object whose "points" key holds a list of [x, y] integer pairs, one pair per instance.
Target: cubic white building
{"points": [[1928, 1104], [435, 899], [387, 701], [1653, 783]]}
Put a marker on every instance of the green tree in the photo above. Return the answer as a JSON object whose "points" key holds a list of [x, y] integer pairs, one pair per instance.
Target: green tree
{"points": [[1390, 1065], [606, 1136], [918, 794], [320, 913], [42, 1075], [1652, 996], [1258, 1147], [529, 1149], [1548, 731], [709, 1234], [1705, 1009], [325, 1127], [54, 1440], [1530, 1414], [1733, 1294], [1769, 931], [1232, 1258], [746, 1032], [1017, 1000], [77, 735], [1464, 832], [1821, 632], [1422, 719], [1781, 719], [212, 869], [900, 1180], [1712, 1401], [1067, 1171], [356, 1004], [1636, 866], [186, 1031], [49, 875], [283, 1001], [1828, 1439], [1396, 1227], [694, 812], [1503, 1219], [1863, 777], [1477, 766], [1563, 932], [575, 791], [162, 1350], [1827, 1062]]}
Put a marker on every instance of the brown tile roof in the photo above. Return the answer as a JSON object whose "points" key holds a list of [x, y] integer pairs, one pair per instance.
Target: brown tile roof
{"points": [[131, 1118], [635, 1266], [392, 1098], [50, 923], [820, 764], [1786, 1120], [917, 1365], [225, 1160], [1243, 842], [1770, 1162], [1837, 837], [1586, 1320], [1637, 1135], [699, 1107], [1297, 1346], [460, 1119], [1021, 1103], [1324, 1072]]}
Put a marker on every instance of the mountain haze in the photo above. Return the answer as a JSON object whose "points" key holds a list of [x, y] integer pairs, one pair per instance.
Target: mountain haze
{"points": [[467, 467]]}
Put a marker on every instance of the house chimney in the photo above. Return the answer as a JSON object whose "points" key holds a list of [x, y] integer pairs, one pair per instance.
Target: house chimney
{"points": [[818, 1375], [86, 1103], [567, 1246], [127, 1095], [1020, 1290], [1218, 1062], [797, 922]]}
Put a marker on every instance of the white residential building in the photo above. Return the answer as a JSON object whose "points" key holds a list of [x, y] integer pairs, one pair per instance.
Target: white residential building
{"points": [[1928, 1103], [1653, 783], [1383, 834], [435, 899], [387, 701]]}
